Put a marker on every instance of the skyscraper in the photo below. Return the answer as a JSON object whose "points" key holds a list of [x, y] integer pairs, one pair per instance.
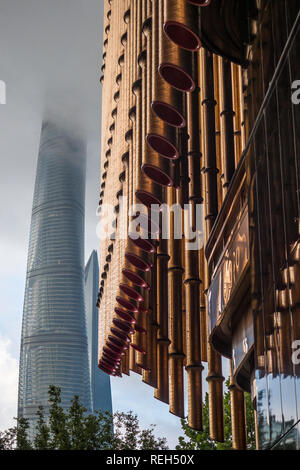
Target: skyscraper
{"points": [[197, 110], [54, 348], [100, 382]]}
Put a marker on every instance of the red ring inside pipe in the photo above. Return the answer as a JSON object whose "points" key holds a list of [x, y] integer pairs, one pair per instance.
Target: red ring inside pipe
{"points": [[147, 199], [107, 365], [123, 326], [115, 349], [163, 146], [135, 278], [183, 36], [126, 316], [124, 338], [200, 3], [110, 361], [177, 77], [107, 371], [117, 342], [112, 357], [157, 175], [138, 262], [168, 113], [120, 335], [112, 353], [126, 304], [131, 293], [138, 348], [144, 244]]}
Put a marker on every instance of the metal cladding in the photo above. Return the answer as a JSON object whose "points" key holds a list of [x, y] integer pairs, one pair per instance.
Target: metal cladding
{"points": [[174, 134]]}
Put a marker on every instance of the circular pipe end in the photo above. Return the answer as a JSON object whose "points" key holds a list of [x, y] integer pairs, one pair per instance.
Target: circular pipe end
{"points": [[183, 36], [177, 77], [168, 114], [163, 146], [157, 175]]}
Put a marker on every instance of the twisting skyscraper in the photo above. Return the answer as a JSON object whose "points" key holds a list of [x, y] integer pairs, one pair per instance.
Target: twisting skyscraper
{"points": [[54, 348], [100, 382]]}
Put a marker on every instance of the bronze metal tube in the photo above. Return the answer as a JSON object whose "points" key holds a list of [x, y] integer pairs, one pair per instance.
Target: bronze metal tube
{"points": [[182, 24], [203, 312], [226, 119], [125, 363], [167, 102], [214, 378], [162, 391], [154, 167], [220, 175], [238, 417], [237, 108], [192, 281], [208, 126], [176, 354], [160, 136], [150, 376], [175, 63]]}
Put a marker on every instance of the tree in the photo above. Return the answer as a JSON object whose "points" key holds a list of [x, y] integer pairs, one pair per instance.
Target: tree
{"points": [[195, 440], [74, 429]]}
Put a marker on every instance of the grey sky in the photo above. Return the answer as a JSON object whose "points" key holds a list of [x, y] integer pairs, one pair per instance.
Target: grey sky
{"points": [[50, 58]]}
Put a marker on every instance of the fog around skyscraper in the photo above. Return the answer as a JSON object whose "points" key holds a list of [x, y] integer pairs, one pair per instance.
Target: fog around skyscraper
{"points": [[54, 347]]}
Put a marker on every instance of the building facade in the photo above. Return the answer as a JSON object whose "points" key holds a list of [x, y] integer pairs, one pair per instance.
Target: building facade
{"points": [[198, 112], [100, 382], [54, 347]]}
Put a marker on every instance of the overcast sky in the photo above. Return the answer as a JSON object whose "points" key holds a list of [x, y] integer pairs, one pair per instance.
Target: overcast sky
{"points": [[50, 58]]}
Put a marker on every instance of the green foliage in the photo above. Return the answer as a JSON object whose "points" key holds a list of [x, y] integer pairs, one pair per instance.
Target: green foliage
{"points": [[8, 439], [195, 440], [22, 435], [75, 430]]}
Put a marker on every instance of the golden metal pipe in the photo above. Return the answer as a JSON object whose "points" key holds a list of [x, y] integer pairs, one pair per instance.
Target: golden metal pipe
{"points": [[226, 120], [208, 126], [215, 393], [237, 117], [220, 166], [150, 376], [238, 416], [176, 355], [203, 312], [125, 363], [182, 24], [162, 391], [175, 63], [192, 281], [155, 169], [161, 137], [167, 102], [214, 378]]}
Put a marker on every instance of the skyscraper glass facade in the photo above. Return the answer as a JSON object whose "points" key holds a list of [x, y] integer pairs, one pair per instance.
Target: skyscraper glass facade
{"points": [[100, 382], [54, 349]]}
